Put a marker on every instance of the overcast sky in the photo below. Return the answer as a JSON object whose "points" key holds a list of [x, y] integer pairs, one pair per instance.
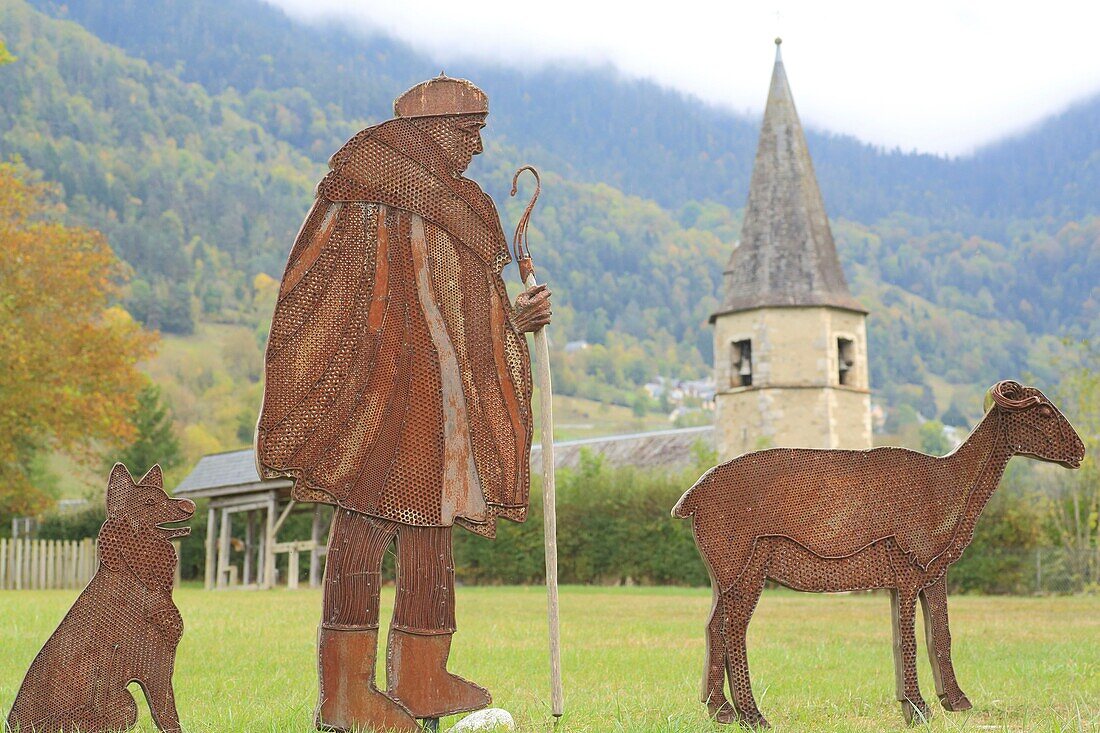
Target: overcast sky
{"points": [[939, 76]]}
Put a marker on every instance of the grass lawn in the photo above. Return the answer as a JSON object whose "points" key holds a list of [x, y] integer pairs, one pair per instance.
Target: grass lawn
{"points": [[632, 658]]}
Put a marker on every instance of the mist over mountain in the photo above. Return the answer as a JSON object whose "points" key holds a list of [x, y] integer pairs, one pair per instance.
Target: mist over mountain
{"points": [[595, 125]]}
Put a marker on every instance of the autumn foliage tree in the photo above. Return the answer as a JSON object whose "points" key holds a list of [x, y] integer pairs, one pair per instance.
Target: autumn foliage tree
{"points": [[68, 377]]}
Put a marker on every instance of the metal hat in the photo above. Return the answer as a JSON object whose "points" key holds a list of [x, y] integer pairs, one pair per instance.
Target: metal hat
{"points": [[441, 96]]}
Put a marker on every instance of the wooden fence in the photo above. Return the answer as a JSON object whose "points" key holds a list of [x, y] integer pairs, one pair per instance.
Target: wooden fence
{"points": [[27, 564]]}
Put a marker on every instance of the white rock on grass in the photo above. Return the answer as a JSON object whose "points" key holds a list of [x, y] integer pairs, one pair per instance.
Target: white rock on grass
{"points": [[489, 719]]}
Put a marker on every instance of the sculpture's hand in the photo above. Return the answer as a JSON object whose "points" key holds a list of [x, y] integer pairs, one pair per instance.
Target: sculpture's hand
{"points": [[533, 309]]}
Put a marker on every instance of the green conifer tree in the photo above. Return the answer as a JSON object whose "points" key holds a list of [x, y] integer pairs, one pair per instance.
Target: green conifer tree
{"points": [[156, 441]]}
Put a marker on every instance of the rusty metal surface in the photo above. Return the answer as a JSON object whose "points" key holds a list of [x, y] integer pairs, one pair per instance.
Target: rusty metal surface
{"points": [[122, 628], [348, 696], [842, 520], [398, 387], [417, 676], [441, 96]]}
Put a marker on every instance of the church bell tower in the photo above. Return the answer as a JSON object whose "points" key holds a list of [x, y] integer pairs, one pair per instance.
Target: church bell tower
{"points": [[790, 341]]}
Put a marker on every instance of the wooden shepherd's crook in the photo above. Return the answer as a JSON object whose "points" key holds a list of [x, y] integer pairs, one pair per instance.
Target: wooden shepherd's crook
{"points": [[549, 507]]}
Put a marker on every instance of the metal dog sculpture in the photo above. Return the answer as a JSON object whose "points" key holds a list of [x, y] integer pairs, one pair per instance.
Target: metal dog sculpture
{"points": [[844, 520], [123, 627]]}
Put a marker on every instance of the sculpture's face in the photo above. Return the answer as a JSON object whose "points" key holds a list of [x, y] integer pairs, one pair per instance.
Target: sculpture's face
{"points": [[458, 135], [1036, 428], [469, 139]]}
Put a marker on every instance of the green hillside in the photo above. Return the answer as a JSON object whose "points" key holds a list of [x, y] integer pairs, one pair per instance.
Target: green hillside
{"points": [[195, 141]]}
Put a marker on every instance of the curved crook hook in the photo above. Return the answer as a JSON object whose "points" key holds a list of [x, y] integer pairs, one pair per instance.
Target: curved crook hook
{"points": [[519, 239]]}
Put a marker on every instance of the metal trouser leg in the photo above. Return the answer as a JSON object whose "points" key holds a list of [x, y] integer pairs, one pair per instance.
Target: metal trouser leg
{"points": [[423, 623], [425, 581], [353, 570]]}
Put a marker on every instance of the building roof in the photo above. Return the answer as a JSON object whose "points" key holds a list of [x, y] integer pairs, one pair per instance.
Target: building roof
{"points": [[223, 474], [786, 255]]}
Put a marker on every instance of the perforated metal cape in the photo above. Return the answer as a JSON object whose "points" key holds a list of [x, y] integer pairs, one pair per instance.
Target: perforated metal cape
{"points": [[397, 384]]}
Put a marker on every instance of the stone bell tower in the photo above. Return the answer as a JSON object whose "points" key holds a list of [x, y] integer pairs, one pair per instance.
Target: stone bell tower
{"points": [[790, 341]]}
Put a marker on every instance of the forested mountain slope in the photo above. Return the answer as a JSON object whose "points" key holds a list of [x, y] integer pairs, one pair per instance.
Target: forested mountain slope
{"points": [[195, 140]]}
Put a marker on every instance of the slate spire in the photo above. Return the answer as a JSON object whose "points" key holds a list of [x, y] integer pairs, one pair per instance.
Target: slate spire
{"points": [[786, 256]]}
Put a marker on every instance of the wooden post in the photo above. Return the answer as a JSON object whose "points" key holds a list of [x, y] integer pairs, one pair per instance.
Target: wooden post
{"points": [[315, 553], [3, 563], [78, 572], [211, 555], [292, 569], [66, 564], [269, 543], [35, 567], [50, 575], [19, 550], [223, 550], [70, 575], [261, 554], [74, 569], [249, 539]]}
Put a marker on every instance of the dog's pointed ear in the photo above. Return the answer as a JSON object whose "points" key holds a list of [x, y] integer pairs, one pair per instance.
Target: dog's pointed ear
{"points": [[153, 477], [120, 482]]}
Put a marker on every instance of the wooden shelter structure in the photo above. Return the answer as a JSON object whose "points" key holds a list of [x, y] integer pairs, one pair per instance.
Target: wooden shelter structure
{"points": [[231, 486]]}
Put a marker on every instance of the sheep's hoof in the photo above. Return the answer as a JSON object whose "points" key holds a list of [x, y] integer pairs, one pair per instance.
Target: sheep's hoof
{"points": [[916, 712], [753, 720], [955, 703], [722, 713]]}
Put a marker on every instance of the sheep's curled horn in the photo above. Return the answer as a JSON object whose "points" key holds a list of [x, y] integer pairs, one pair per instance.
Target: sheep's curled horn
{"points": [[1007, 395]]}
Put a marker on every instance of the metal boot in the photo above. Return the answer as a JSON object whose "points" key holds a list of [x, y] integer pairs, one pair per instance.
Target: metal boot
{"points": [[348, 698], [417, 676]]}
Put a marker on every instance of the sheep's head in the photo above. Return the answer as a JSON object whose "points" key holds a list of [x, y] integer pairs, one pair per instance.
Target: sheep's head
{"points": [[1034, 427]]}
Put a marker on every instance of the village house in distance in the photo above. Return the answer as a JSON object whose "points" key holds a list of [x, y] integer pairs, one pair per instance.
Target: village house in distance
{"points": [[790, 341]]}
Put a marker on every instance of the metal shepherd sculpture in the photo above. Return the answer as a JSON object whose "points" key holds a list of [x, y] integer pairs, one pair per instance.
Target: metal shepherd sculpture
{"points": [[844, 520], [398, 388]]}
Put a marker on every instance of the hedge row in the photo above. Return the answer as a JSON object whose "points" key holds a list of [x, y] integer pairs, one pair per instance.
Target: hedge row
{"points": [[614, 527]]}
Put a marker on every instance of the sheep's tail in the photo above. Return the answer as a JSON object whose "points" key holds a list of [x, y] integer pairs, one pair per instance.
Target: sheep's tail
{"points": [[689, 502], [685, 507]]}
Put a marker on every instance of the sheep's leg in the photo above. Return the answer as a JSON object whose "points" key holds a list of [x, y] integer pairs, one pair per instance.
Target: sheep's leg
{"points": [[714, 670], [740, 602], [938, 640], [903, 607]]}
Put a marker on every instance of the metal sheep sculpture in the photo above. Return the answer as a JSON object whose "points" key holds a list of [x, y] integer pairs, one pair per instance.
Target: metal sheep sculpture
{"points": [[845, 520]]}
